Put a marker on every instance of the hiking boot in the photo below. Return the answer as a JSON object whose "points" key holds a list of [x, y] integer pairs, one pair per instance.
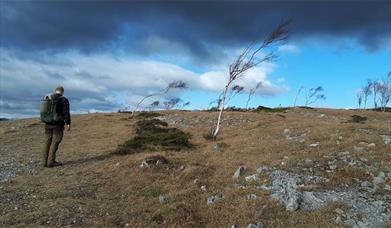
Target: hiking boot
{"points": [[54, 164]]}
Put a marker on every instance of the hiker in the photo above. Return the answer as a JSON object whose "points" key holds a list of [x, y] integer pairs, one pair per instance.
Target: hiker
{"points": [[55, 114]]}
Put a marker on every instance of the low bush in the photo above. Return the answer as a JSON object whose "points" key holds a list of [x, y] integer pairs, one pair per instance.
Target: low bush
{"points": [[357, 119], [267, 109], [153, 134]]}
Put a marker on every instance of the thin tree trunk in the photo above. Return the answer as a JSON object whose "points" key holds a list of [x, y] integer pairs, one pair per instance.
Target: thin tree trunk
{"points": [[222, 104]]}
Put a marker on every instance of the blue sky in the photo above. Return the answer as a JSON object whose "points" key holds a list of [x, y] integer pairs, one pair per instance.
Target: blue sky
{"points": [[109, 59]]}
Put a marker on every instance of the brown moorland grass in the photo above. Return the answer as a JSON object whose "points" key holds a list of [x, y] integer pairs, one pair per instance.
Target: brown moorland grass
{"points": [[96, 188]]}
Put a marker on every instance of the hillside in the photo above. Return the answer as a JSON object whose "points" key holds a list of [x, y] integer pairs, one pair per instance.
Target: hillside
{"points": [[301, 168]]}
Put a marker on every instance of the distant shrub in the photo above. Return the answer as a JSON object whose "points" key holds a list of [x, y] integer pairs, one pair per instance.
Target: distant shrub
{"points": [[267, 109], [153, 134], [149, 114], [357, 119]]}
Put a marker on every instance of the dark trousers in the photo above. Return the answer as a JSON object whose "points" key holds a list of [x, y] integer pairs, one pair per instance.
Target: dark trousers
{"points": [[53, 137]]}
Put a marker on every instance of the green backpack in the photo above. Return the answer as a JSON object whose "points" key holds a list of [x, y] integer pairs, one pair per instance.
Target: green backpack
{"points": [[48, 109]]}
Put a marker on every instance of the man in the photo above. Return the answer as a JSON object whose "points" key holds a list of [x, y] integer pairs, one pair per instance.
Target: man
{"points": [[54, 132]]}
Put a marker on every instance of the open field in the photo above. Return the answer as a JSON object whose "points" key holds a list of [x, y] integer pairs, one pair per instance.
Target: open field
{"points": [[339, 171]]}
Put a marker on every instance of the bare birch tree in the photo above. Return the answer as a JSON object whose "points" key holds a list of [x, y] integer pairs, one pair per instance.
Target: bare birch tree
{"points": [[170, 86], [251, 57], [297, 95], [314, 94], [154, 105], [252, 92], [235, 90], [384, 89], [366, 90], [375, 85], [359, 96]]}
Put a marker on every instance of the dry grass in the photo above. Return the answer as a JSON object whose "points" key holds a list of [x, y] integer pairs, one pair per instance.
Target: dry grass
{"points": [[96, 188]]}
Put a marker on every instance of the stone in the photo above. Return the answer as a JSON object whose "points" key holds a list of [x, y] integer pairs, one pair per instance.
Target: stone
{"points": [[144, 164], [358, 149], [234, 226], [371, 145], [308, 163], [339, 211], [263, 168], [258, 225], [264, 187], [203, 188], [253, 177], [363, 144], [251, 196], [333, 167], [386, 139], [286, 131], [365, 184], [239, 172], [163, 199], [314, 144], [338, 220], [387, 187], [215, 198]]}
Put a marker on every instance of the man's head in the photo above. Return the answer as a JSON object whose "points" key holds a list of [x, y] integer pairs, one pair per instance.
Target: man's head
{"points": [[59, 90]]}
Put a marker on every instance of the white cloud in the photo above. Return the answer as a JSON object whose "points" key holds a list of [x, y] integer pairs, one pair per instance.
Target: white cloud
{"points": [[104, 82], [289, 48]]}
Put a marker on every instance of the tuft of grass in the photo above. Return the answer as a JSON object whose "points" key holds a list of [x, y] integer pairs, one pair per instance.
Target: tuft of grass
{"points": [[153, 134], [357, 119]]}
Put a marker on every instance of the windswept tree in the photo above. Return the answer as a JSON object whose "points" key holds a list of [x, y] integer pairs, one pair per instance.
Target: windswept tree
{"points": [[366, 91], [375, 86], [154, 105], [185, 104], [359, 96], [171, 103], [170, 86], [297, 95], [253, 55], [314, 94], [252, 92], [235, 90], [384, 89]]}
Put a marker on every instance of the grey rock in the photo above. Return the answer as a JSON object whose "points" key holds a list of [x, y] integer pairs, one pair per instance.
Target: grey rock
{"points": [[215, 198], [371, 145], [374, 209], [262, 169], [264, 187], [203, 188], [365, 184], [258, 225], [339, 211], [308, 163], [251, 196], [234, 226], [338, 220], [144, 164], [163, 199], [358, 149], [386, 139], [314, 144], [239, 171], [253, 177]]}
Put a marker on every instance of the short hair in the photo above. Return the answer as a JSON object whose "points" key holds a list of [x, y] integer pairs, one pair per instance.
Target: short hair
{"points": [[59, 88]]}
